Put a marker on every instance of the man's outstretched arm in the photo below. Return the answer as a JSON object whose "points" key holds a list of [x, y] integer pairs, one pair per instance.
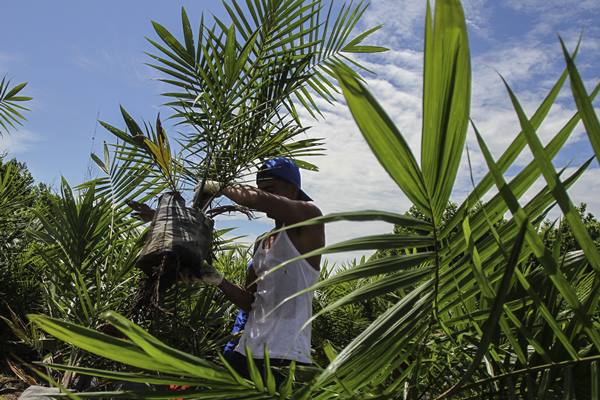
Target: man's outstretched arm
{"points": [[243, 297], [277, 207]]}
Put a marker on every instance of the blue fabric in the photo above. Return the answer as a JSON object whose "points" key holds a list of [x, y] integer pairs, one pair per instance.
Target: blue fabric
{"points": [[286, 169], [238, 326]]}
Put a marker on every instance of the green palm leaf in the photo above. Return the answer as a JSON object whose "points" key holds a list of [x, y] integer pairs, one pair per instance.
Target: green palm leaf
{"points": [[144, 351], [385, 140], [583, 102], [10, 105], [489, 328], [556, 186], [446, 100], [541, 252], [516, 147]]}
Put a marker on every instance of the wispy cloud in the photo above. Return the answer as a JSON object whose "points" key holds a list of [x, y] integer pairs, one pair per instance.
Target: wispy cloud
{"points": [[477, 14], [114, 63], [8, 64], [403, 21], [19, 141], [570, 6], [401, 18], [548, 17]]}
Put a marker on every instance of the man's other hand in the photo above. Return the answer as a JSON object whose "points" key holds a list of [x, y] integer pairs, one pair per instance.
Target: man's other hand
{"points": [[212, 188], [210, 275], [141, 210]]}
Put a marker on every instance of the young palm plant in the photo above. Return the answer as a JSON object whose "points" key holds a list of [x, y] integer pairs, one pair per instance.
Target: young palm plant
{"points": [[236, 87], [490, 312]]}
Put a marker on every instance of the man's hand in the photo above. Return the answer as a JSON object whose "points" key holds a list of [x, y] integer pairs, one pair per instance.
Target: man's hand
{"points": [[212, 188], [210, 275], [207, 274], [141, 210]]}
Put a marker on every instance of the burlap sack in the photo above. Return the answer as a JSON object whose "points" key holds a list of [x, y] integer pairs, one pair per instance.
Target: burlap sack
{"points": [[180, 235]]}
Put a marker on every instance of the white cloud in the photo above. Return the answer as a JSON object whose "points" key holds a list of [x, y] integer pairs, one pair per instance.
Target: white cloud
{"points": [[111, 62], [403, 57], [571, 6], [18, 141], [401, 19], [586, 189], [477, 14]]}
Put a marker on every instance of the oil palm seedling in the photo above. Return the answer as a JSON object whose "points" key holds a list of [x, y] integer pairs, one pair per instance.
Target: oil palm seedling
{"points": [[236, 90], [485, 309]]}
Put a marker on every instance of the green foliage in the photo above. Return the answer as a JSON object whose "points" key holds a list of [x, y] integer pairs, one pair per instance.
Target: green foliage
{"points": [[88, 256], [17, 197], [474, 305], [20, 287], [10, 105], [71, 257], [559, 233], [414, 212], [198, 318], [342, 324], [145, 352]]}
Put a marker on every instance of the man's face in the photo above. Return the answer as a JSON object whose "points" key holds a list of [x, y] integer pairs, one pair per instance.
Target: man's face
{"points": [[279, 187]]}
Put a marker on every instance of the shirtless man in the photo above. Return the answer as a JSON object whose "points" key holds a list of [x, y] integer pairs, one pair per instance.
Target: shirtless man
{"points": [[280, 196]]}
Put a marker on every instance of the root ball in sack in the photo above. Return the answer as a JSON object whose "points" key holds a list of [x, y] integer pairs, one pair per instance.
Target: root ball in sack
{"points": [[178, 241]]}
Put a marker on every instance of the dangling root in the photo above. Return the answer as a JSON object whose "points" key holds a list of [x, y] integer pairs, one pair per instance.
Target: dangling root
{"points": [[147, 299]]}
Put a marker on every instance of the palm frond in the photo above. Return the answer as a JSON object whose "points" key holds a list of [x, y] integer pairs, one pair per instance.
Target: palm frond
{"points": [[446, 101], [11, 107]]}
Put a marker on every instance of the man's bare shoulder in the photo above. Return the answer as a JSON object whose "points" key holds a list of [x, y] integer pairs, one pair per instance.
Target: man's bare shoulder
{"points": [[313, 232], [310, 210]]}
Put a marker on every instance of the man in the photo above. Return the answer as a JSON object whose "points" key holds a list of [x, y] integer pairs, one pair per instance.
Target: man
{"points": [[273, 323]]}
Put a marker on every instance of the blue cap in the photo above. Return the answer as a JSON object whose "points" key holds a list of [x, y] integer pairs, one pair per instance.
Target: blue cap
{"points": [[285, 169]]}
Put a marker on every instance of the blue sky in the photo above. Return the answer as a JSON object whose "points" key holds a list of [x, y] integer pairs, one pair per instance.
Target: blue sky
{"points": [[83, 59]]}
